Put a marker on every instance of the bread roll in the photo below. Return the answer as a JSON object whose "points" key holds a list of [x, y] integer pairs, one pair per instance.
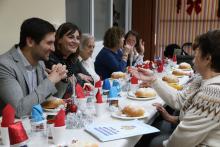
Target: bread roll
{"points": [[133, 111], [145, 93], [117, 75], [184, 65], [179, 73], [176, 86], [52, 103], [170, 79]]}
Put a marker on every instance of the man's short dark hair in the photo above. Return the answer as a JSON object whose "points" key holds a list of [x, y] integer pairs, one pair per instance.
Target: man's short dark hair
{"points": [[36, 29]]}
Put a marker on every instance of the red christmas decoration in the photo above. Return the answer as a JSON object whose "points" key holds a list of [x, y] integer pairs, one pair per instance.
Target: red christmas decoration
{"points": [[194, 5]]}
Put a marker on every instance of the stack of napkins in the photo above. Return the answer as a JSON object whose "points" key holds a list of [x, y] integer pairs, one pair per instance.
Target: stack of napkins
{"points": [[118, 130]]}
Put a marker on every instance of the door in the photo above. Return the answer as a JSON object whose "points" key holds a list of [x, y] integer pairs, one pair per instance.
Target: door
{"points": [[143, 21]]}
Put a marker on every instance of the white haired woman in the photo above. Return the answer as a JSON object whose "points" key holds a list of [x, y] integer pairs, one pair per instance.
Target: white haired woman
{"points": [[86, 48]]}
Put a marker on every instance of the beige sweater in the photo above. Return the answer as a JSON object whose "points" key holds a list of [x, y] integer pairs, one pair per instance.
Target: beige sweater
{"points": [[199, 106]]}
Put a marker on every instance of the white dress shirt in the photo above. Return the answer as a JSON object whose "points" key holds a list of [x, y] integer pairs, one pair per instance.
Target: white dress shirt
{"points": [[89, 66], [31, 72]]}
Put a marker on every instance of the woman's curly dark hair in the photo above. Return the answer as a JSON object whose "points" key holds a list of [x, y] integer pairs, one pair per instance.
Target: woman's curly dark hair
{"points": [[112, 37]]}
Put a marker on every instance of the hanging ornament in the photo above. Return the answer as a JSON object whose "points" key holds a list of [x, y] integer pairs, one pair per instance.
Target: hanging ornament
{"points": [[194, 5], [178, 5], [218, 12]]}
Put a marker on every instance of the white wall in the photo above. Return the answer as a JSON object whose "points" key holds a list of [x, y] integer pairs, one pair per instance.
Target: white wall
{"points": [[14, 12]]}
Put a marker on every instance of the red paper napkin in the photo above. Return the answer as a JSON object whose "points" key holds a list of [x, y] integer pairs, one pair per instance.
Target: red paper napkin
{"points": [[174, 58], [87, 87], [98, 84], [99, 97], [146, 66], [17, 134], [134, 80], [160, 67], [139, 65], [59, 120], [8, 116], [79, 91]]}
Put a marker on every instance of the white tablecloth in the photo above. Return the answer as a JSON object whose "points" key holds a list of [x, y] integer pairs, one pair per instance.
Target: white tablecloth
{"points": [[81, 134]]}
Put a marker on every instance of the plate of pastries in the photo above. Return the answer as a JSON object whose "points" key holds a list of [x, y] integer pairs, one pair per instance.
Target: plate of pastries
{"points": [[53, 105], [142, 94], [130, 112], [172, 81]]}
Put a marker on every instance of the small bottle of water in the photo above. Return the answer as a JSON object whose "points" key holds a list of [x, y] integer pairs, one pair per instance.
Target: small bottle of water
{"points": [[70, 121]]}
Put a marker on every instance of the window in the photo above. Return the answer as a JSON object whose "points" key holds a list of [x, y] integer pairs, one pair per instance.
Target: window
{"points": [[96, 16], [78, 12], [102, 17], [92, 16]]}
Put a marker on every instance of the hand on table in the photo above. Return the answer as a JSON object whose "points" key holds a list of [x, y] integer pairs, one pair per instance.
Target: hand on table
{"points": [[85, 77]]}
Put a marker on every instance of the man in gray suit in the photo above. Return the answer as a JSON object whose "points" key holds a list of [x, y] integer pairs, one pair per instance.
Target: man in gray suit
{"points": [[23, 79]]}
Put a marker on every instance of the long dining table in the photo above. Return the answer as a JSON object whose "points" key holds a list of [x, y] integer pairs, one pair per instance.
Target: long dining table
{"points": [[82, 135]]}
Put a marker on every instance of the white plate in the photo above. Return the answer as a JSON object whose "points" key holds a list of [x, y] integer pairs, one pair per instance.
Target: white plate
{"points": [[123, 116], [132, 96]]}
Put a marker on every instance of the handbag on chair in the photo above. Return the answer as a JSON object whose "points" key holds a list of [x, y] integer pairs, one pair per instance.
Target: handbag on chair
{"points": [[184, 56]]}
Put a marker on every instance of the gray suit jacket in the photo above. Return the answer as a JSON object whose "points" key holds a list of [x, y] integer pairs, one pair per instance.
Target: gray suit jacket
{"points": [[14, 87]]}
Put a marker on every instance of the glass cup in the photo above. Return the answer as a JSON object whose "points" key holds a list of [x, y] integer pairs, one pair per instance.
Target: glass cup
{"points": [[100, 108], [5, 136], [39, 128]]}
